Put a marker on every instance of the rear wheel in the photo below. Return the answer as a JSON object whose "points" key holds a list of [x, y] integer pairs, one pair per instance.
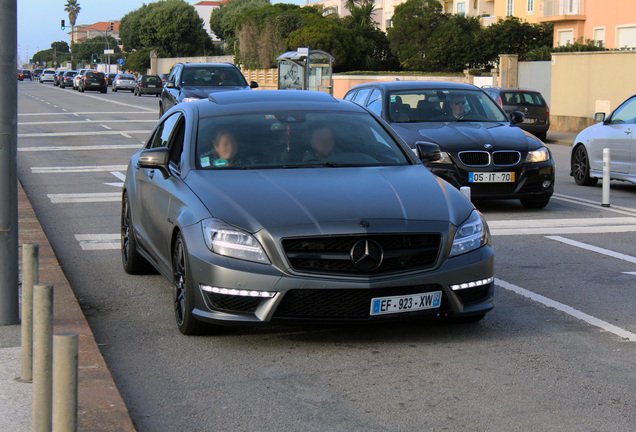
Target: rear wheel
{"points": [[183, 292], [580, 166], [131, 260]]}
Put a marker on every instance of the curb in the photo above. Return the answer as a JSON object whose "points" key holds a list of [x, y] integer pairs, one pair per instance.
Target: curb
{"points": [[100, 405]]}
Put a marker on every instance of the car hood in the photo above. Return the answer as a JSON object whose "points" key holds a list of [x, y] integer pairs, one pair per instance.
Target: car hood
{"points": [[461, 136], [204, 92], [258, 199]]}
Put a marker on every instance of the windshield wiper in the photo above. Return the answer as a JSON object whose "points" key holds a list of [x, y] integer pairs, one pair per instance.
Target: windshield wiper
{"points": [[317, 164]]}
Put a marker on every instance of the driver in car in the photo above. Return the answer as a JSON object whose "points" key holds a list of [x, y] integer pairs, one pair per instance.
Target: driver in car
{"points": [[323, 144]]}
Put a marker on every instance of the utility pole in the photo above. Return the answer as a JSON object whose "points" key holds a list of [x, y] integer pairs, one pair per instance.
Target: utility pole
{"points": [[8, 166]]}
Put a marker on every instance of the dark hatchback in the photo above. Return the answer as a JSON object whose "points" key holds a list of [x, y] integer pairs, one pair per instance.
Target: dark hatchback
{"points": [[58, 77], [27, 74], [95, 81], [292, 206], [189, 82], [67, 79], [530, 102], [480, 146], [148, 84]]}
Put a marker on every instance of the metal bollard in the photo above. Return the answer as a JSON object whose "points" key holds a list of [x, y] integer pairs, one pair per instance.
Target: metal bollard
{"points": [[465, 190], [65, 372], [606, 178], [42, 357], [30, 254]]}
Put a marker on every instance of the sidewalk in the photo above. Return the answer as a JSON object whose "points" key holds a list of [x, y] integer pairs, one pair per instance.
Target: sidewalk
{"points": [[563, 138], [101, 407]]}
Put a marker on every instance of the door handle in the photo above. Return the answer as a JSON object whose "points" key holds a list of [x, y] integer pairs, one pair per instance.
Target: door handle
{"points": [[628, 131]]}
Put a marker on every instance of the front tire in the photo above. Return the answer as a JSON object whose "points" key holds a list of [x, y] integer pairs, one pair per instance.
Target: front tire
{"points": [[183, 291], [131, 260], [580, 166]]}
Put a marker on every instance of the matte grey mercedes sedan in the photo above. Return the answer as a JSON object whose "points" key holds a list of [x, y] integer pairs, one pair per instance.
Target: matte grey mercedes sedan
{"points": [[282, 206]]}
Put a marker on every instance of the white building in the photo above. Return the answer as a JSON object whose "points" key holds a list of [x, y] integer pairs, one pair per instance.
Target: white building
{"points": [[204, 9]]}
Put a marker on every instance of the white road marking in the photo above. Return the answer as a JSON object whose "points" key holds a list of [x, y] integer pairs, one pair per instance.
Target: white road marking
{"points": [[84, 197], [594, 204], [65, 134], [562, 226], [76, 169], [79, 148], [86, 121], [568, 310], [99, 241], [106, 127], [117, 185], [84, 113], [596, 249], [124, 134], [121, 176], [105, 99], [630, 273]]}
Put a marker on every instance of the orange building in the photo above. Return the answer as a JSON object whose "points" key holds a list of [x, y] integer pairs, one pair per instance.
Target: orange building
{"points": [[609, 23]]}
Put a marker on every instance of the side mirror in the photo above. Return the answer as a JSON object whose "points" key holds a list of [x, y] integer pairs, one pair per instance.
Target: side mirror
{"points": [[253, 84], [170, 84], [157, 158], [516, 117], [428, 152], [599, 117]]}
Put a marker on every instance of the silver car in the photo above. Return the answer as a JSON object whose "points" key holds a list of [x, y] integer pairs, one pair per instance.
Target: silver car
{"points": [[614, 132], [123, 82], [280, 206], [47, 76]]}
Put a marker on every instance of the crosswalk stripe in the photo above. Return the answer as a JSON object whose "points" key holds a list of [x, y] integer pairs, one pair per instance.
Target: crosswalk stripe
{"points": [[77, 169], [84, 197], [99, 241], [562, 226], [65, 134], [81, 148]]}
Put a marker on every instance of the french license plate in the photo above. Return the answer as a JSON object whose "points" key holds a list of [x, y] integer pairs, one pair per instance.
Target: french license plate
{"points": [[489, 177], [529, 120], [94, 83], [405, 303], [152, 86]]}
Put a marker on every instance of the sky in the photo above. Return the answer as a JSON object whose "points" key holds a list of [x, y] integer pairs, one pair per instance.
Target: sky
{"points": [[39, 20]]}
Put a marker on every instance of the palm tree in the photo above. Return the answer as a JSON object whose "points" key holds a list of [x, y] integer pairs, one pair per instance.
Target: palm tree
{"points": [[73, 9]]}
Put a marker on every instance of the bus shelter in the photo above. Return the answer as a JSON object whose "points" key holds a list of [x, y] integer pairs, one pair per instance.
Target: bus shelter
{"points": [[306, 69]]}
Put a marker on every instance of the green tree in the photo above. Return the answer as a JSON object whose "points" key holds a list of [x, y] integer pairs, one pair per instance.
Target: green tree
{"points": [[73, 8], [131, 26], [60, 47], [83, 51], [224, 20], [513, 36], [454, 46], [414, 22]]}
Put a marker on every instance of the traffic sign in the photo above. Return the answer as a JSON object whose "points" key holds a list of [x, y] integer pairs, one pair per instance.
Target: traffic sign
{"points": [[120, 61], [109, 51]]}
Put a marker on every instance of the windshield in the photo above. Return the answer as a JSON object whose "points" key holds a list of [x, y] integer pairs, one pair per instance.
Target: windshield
{"points": [[295, 139], [212, 76], [438, 105]]}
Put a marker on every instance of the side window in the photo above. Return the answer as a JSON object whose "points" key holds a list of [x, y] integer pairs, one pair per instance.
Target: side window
{"points": [[375, 102], [626, 113], [176, 144], [173, 74], [349, 96], [162, 134], [361, 96]]}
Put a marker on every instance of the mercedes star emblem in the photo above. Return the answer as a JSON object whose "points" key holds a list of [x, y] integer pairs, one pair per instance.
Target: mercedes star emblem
{"points": [[367, 255]]}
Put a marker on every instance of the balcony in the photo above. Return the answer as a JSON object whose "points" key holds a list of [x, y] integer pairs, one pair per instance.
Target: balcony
{"points": [[563, 10]]}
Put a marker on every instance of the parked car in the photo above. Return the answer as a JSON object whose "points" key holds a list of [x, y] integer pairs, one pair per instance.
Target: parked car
{"points": [[124, 82], [48, 75], [37, 73], [188, 82], [480, 145], [110, 77], [280, 206], [27, 74], [614, 132], [93, 80], [67, 78], [20, 76], [164, 78], [148, 84], [77, 77], [530, 102], [57, 77]]}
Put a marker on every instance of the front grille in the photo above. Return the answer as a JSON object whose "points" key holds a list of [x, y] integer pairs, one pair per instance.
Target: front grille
{"points": [[473, 295], [342, 303], [506, 158], [475, 158], [231, 303], [332, 255]]}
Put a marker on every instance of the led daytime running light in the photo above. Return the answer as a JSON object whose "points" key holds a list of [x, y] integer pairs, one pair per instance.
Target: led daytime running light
{"points": [[472, 284], [237, 292]]}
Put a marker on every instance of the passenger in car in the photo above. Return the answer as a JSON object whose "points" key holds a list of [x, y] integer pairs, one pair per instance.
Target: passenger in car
{"points": [[323, 143], [223, 153]]}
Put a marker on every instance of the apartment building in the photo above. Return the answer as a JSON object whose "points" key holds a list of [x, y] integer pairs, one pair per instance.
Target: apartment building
{"points": [[609, 23], [205, 9]]}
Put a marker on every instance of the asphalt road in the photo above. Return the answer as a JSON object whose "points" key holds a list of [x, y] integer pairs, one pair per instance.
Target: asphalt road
{"points": [[557, 353]]}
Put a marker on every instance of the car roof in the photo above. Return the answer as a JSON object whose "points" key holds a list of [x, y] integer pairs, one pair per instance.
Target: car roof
{"points": [[416, 85], [227, 65], [241, 101]]}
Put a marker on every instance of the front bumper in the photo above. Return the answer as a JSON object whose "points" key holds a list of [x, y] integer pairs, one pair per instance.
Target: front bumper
{"points": [[329, 298]]}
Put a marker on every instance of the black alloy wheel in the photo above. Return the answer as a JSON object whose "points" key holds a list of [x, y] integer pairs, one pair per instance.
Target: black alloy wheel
{"points": [[183, 292], [581, 167], [131, 260]]}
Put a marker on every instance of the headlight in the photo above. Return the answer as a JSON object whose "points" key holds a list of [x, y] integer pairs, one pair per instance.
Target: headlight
{"points": [[470, 235], [190, 99], [230, 241], [540, 155], [444, 159]]}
